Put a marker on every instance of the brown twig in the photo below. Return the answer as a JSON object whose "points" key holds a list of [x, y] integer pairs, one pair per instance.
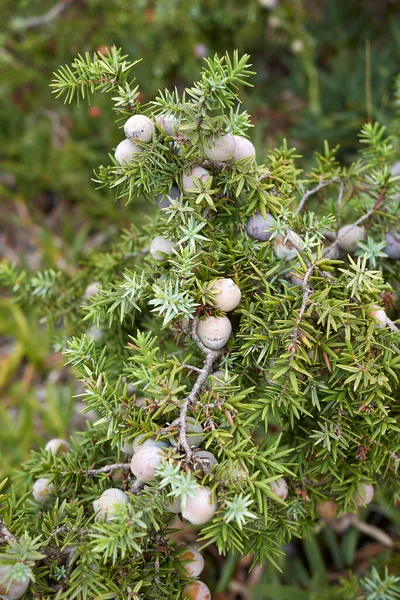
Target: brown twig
{"points": [[105, 469], [313, 190]]}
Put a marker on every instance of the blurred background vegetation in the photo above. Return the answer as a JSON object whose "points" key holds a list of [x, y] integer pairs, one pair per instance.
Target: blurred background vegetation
{"points": [[323, 68]]}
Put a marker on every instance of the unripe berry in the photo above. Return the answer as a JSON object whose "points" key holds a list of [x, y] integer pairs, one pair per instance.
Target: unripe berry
{"points": [[207, 459], [222, 149], [106, 504], [192, 560], [42, 490], [139, 128], [280, 488], [57, 446], [126, 152], [126, 448], [173, 506], [227, 295], [327, 509], [194, 432], [199, 509], [160, 244], [364, 494], [349, 235], [243, 148], [259, 228], [140, 441], [395, 170], [214, 332], [188, 181], [379, 315], [145, 461], [168, 124], [17, 588], [197, 590], [283, 247], [164, 201], [92, 290], [392, 247]]}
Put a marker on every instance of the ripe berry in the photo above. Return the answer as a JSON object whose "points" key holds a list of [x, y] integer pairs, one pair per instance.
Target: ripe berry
{"points": [[106, 504], [12, 591], [207, 459], [280, 488], [161, 245], [259, 228], [227, 295], [348, 236], [126, 152], [168, 124], [42, 489], [145, 461], [283, 247], [200, 508], [364, 494], [57, 446], [197, 590], [243, 149], [192, 560], [392, 247], [379, 315], [214, 332], [139, 128], [188, 181], [222, 149], [164, 200], [194, 432]]}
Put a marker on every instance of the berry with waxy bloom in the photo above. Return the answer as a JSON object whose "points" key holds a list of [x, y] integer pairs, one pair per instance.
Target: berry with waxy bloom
{"points": [[214, 332], [392, 247], [222, 149], [145, 461], [139, 128], [206, 458], [57, 446], [141, 440], [105, 506], [42, 490], [259, 228], [280, 488], [126, 152], [364, 494], [11, 590], [164, 200], [243, 148], [197, 590], [227, 294], [160, 246], [349, 236], [193, 561], [188, 182], [194, 432], [173, 506], [200, 508]]}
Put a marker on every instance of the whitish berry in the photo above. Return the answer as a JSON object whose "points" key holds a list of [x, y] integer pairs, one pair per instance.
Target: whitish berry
{"points": [[145, 461], [280, 488], [222, 149], [141, 440], [168, 124], [243, 148], [379, 315], [283, 246], [327, 509], [392, 247], [42, 490], [160, 245], [206, 458], [12, 591], [192, 560], [200, 508], [92, 289], [57, 446], [126, 152], [126, 448], [214, 332], [259, 228], [364, 494], [173, 506], [194, 432], [139, 128], [395, 170], [188, 183], [349, 235], [227, 294], [197, 590], [297, 46], [105, 506], [164, 200]]}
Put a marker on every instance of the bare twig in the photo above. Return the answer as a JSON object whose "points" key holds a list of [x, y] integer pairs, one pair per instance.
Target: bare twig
{"points": [[191, 368], [106, 469], [313, 190], [47, 17]]}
